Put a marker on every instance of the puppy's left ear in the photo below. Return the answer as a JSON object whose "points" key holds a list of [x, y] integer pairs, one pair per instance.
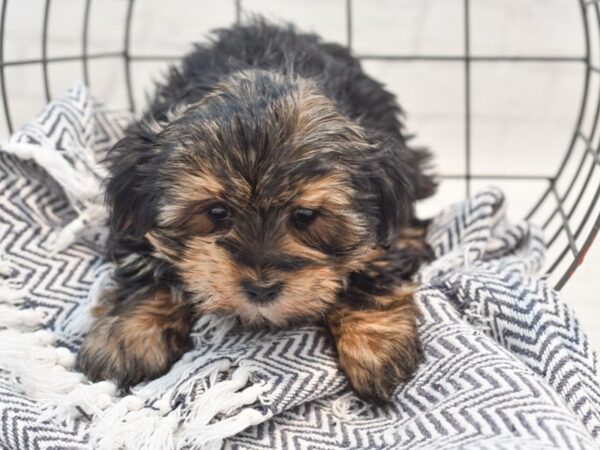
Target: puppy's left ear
{"points": [[396, 178], [131, 191]]}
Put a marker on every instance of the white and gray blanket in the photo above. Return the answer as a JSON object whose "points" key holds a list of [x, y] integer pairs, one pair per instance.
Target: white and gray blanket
{"points": [[506, 363]]}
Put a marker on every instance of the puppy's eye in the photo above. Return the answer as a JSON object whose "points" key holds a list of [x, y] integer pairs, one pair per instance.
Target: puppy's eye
{"points": [[219, 213], [303, 217]]}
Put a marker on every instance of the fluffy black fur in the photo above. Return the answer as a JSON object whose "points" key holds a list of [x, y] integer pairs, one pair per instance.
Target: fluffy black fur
{"points": [[397, 174], [388, 174]]}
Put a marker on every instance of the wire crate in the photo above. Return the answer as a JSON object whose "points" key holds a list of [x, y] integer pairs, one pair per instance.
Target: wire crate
{"points": [[105, 54]]}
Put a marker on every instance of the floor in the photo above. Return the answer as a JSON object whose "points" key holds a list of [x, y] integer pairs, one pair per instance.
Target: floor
{"points": [[522, 112]]}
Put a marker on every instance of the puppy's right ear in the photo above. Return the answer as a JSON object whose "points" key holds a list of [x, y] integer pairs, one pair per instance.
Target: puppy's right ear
{"points": [[132, 191]]}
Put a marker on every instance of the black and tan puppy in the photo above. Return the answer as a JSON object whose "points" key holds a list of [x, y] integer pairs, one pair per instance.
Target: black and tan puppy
{"points": [[269, 179]]}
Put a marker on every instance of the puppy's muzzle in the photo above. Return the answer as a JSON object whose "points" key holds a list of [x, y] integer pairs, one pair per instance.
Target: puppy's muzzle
{"points": [[261, 294]]}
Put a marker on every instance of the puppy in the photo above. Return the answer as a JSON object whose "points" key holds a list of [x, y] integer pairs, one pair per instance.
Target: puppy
{"points": [[269, 179]]}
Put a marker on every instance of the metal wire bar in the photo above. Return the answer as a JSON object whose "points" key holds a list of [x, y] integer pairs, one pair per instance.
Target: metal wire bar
{"points": [[578, 121], [2, 76], [551, 241], [126, 56], [25, 62], [588, 151], [591, 151], [84, 42], [45, 50], [584, 96], [154, 58], [476, 58], [580, 258], [565, 224], [467, 75], [424, 58], [597, 114], [238, 10], [349, 24], [540, 201], [586, 246], [490, 176], [595, 163], [567, 192]]}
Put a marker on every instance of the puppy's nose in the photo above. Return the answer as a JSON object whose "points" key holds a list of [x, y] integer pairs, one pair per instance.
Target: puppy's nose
{"points": [[261, 294]]}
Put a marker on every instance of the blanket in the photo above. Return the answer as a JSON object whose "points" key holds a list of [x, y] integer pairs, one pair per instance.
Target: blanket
{"points": [[506, 364]]}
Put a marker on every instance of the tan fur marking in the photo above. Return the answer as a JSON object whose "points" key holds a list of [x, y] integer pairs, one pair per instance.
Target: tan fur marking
{"points": [[98, 311], [162, 251], [315, 111], [292, 246], [139, 342], [378, 347], [192, 189], [414, 232], [416, 243], [327, 191], [215, 279]]}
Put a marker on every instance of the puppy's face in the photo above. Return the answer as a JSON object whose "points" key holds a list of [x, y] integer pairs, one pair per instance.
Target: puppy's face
{"points": [[265, 198]]}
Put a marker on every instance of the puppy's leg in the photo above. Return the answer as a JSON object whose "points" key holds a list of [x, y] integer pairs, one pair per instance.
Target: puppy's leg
{"points": [[137, 340], [378, 345], [374, 323]]}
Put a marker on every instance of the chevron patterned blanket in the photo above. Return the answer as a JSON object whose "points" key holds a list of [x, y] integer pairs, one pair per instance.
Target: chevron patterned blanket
{"points": [[506, 364]]}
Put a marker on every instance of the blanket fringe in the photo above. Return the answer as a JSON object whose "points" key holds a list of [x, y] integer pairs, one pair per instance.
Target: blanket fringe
{"points": [[212, 436], [197, 408], [37, 366], [89, 399], [91, 215], [8, 294], [131, 423], [181, 378], [81, 319], [144, 429], [222, 397], [163, 414], [474, 315], [212, 329], [348, 407], [79, 183], [10, 317]]}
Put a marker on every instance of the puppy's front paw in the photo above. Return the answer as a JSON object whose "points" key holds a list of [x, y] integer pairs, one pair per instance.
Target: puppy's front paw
{"points": [[377, 348], [375, 367], [139, 343]]}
